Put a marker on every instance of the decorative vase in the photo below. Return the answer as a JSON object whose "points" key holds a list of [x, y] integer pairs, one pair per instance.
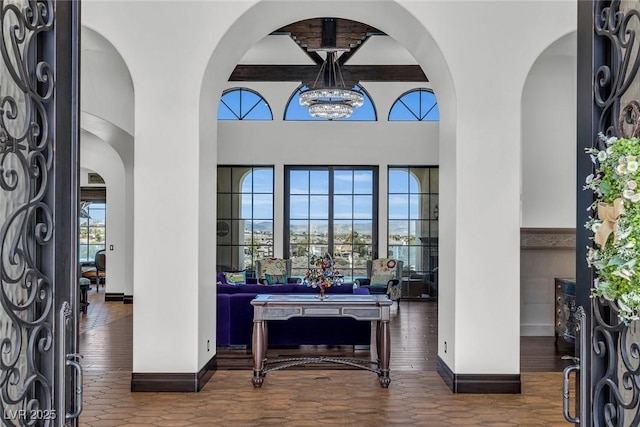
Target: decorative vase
{"points": [[322, 295]]}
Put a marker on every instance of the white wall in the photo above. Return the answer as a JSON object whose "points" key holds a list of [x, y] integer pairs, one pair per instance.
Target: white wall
{"points": [[548, 178], [549, 138], [478, 75]]}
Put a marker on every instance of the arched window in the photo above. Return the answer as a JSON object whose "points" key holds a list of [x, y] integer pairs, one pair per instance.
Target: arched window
{"points": [[416, 105], [294, 111], [243, 104]]}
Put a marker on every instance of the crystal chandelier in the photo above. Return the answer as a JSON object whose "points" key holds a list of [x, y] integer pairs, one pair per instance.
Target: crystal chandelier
{"points": [[332, 100]]}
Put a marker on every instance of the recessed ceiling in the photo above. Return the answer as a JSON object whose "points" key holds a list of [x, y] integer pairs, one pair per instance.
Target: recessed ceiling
{"points": [[382, 58]]}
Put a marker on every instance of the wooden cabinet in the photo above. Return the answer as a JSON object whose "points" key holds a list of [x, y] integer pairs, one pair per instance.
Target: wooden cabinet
{"points": [[565, 309]]}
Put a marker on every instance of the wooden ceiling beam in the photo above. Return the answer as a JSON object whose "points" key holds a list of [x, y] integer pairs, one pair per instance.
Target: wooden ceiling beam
{"points": [[308, 73]]}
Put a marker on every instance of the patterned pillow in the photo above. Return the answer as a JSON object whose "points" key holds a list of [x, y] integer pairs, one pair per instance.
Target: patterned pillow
{"points": [[235, 277], [383, 270], [274, 279]]}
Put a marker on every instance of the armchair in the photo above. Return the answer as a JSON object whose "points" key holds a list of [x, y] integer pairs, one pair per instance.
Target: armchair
{"points": [[383, 277], [270, 271]]}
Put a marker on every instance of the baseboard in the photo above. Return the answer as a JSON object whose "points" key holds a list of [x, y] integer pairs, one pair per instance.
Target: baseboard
{"points": [[537, 331], [113, 296], [479, 383], [173, 382], [127, 299]]}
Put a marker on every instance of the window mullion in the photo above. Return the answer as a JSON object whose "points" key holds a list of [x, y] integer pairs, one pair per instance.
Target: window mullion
{"points": [[330, 213]]}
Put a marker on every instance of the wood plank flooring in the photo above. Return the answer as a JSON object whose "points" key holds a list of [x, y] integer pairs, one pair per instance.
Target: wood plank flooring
{"points": [[319, 396]]}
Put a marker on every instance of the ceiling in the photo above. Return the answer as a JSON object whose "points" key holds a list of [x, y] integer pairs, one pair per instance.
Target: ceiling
{"points": [[313, 37]]}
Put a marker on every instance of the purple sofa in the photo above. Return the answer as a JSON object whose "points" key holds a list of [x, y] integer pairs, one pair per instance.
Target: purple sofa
{"points": [[235, 319]]}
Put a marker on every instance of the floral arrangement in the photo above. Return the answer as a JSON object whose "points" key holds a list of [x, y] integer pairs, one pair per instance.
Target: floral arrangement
{"points": [[324, 275], [616, 226]]}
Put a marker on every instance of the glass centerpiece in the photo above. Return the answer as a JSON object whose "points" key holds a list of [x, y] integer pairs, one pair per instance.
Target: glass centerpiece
{"points": [[322, 274]]}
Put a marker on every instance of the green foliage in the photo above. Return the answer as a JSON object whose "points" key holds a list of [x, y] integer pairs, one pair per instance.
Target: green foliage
{"points": [[617, 176]]}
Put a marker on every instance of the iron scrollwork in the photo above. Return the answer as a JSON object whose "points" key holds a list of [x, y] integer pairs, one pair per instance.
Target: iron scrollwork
{"points": [[615, 345], [26, 221]]}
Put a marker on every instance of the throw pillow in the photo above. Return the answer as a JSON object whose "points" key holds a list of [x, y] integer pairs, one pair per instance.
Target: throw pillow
{"points": [[235, 277], [273, 279], [221, 278]]}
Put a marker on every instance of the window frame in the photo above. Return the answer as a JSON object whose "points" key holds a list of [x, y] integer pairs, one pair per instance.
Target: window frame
{"points": [[244, 116], [240, 216], [411, 110], [374, 169]]}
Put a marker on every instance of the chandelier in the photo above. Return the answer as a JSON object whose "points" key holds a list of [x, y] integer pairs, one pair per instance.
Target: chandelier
{"points": [[332, 100]]}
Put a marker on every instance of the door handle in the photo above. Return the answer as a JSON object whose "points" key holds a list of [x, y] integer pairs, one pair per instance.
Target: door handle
{"points": [[566, 374], [72, 361]]}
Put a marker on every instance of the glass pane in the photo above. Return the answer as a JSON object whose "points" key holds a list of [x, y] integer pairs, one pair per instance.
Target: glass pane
{"points": [[343, 182], [319, 232], [299, 207], [398, 232], [363, 182], [299, 182], [400, 253], [319, 182], [433, 229], [263, 232], [420, 180], [319, 207], [415, 259], [246, 208], [360, 272], [263, 180], [318, 250], [419, 230], [223, 258], [225, 110], [224, 206], [83, 253], [364, 230], [363, 207], [262, 206], [414, 206], [435, 180], [434, 209], [342, 207], [96, 216], [223, 231], [260, 111], [342, 231], [400, 111], [398, 206], [236, 206], [224, 180], [298, 229], [398, 180], [239, 181], [96, 234]]}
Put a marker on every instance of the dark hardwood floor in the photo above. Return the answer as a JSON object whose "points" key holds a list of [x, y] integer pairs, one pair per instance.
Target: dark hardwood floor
{"points": [[314, 397]]}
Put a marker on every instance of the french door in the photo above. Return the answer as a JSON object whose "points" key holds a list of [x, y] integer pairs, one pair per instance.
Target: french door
{"points": [[608, 87], [40, 376]]}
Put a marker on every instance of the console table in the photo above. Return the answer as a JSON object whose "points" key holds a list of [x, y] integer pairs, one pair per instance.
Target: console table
{"points": [[282, 307]]}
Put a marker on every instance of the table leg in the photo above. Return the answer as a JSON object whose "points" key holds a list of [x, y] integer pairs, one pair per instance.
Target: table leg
{"points": [[384, 352], [258, 350], [378, 332]]}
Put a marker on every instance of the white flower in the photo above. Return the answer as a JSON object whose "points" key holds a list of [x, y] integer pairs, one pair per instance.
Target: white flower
{"points": [[593, 158], [631, 158], [628, 194], [632, 166], [595, 226], [602, 156], [635, 198], [589, 179], [609, 150], [632, 185], [611, 140], [621, 169]]}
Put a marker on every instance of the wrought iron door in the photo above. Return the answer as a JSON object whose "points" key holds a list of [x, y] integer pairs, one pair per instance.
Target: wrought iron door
{"points": [[40, 377], [608, 90]]}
